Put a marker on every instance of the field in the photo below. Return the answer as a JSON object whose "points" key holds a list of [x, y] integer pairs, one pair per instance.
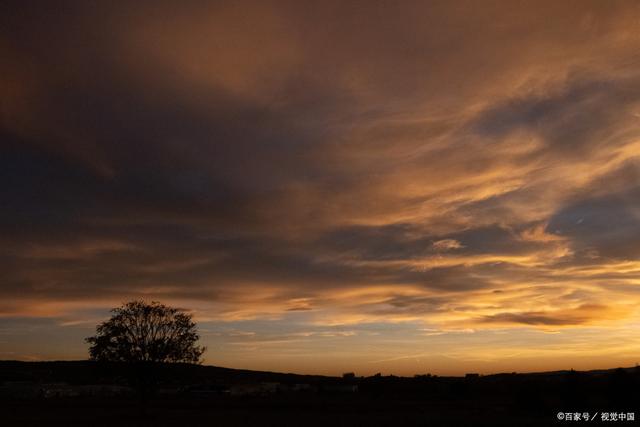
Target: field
{"points": [[209, 396]]}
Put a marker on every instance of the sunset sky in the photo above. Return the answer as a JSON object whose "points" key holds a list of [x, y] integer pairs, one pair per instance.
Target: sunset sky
{"points": [[397, 187]]}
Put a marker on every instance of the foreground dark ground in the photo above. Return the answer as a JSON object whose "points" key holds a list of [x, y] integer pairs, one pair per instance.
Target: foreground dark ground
{"points": [[210, 396]]}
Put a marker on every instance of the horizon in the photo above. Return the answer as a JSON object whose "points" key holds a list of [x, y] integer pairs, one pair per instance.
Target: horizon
{"points": [[425, 187], [357, 374]]}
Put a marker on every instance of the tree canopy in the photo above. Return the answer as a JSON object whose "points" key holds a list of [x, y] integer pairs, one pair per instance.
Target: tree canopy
{"points": [[146, 332]]}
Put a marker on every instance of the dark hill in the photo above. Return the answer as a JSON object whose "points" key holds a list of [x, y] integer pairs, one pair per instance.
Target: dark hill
{"points": [[206, 395], [88, 372]]}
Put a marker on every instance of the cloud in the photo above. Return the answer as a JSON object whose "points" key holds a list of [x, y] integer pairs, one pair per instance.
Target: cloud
{"points": [[324, 163], [577, 316], [447, 244], [603, 220]]}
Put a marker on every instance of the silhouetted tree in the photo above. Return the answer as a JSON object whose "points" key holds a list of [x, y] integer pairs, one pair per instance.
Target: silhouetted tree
{"points": [[142, 332]]}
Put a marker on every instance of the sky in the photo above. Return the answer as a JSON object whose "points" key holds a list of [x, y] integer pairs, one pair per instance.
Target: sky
{"points": [[371, 186]]}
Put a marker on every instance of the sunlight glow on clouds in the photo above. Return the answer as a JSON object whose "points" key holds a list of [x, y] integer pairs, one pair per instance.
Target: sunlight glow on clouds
{"points": [[424, 187]]}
